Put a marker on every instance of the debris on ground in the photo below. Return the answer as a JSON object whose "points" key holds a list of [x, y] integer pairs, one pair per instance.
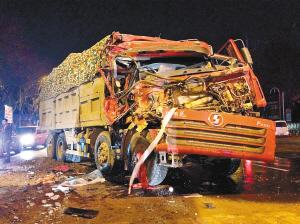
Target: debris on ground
{"points": [[193, 196], [30, 203], [24, 189], [60, 188], [84, 213], [51, 194], [209, 205], [55, 197], [30, 173], [91, 178], [57, 204], [48, 179], [6, 169], [61, 168]]}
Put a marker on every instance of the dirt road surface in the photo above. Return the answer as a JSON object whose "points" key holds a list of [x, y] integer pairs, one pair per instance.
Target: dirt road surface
{"points": [[258, 193]]}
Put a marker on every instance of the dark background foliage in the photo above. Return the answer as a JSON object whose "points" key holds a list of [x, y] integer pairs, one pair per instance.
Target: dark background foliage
{"points": [[37, 35]]}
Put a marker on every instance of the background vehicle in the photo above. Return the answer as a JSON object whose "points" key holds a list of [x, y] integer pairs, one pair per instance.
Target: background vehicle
{"points": [[108, 103], [281, 128], [31, 137]]}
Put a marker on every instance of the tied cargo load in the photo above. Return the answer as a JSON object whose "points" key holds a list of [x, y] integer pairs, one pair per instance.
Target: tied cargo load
{"points": [[76, 69]]}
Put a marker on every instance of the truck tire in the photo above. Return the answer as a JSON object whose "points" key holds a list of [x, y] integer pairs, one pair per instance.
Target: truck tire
{"points": [[18, 149], [225, 167], [156, 173], [125, 150], [103, 154], [51, 146], [61, 147]]}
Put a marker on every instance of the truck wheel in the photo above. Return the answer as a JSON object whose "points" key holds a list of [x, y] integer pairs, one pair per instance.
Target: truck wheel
{"points": [[51, 146], [155, 173], [125, 150], [104, 155], [17, 149], [61, 147], [225, 167], [20, 149]]}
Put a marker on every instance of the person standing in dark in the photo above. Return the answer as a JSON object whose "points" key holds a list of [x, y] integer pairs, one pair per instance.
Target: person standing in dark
{"points": [[7, 133]]}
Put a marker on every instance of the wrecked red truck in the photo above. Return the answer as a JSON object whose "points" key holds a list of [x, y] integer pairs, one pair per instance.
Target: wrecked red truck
{"points": [[177, 99]]}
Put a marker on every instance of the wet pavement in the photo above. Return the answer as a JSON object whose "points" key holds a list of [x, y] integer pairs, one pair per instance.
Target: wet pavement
{"points": [[258, 192]]}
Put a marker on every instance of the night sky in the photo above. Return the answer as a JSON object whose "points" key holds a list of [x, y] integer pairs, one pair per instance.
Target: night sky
{"points": [[37, 35]]}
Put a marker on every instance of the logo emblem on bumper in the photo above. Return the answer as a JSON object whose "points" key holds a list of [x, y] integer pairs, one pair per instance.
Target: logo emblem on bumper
{"points": [[216, 119]]}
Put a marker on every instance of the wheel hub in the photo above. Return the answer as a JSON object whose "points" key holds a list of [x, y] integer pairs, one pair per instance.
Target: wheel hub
{"points": [[60, 150], [103, 153]]}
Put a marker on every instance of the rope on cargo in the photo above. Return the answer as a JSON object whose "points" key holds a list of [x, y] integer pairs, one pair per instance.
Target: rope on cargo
{"points": [[151, 147]]}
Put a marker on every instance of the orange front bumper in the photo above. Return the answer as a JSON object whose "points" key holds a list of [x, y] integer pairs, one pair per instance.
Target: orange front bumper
{"points": [[219, 135]]}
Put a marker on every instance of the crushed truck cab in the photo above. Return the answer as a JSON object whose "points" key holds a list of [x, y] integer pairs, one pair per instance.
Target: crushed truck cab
{"points": [[108, 103]]}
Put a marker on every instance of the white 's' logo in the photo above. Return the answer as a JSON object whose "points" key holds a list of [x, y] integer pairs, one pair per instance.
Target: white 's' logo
{"points": [[216, 119]]}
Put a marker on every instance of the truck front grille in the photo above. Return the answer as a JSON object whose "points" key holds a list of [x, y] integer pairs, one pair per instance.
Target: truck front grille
{"points": [[231, 137]]}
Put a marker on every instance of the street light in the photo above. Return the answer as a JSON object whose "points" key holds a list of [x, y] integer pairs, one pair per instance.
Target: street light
{"points": [[280, 101]]}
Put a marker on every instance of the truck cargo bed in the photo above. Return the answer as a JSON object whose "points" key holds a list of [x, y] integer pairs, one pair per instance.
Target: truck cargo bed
{"points": [[79, 107]]}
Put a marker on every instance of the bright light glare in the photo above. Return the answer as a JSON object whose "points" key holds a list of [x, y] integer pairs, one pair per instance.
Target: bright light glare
{"points": [[27, 155], [171, 189], [27, 139]]}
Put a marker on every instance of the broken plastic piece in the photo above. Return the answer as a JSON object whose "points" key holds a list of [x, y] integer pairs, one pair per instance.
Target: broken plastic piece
{"points": [[91, 178]]}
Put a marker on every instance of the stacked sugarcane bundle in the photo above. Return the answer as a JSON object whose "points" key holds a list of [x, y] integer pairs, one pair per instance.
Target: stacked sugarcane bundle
{"points": [[76, 69]]}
